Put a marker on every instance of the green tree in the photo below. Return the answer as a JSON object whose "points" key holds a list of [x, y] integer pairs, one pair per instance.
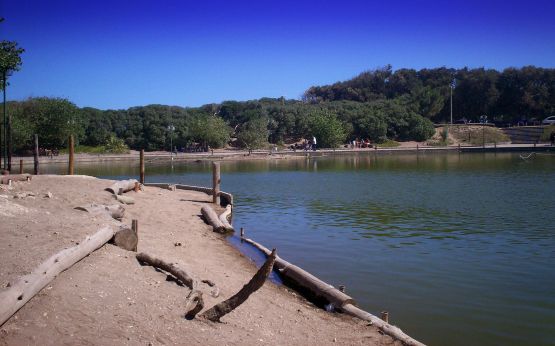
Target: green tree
{"points": [[327, 129], [254, 133], [210, 130], [10, 60]]}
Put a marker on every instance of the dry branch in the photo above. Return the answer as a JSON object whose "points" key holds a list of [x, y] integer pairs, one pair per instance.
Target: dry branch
{"points": [[218, 311], [171, 268], [29, 285], [194, 302]]}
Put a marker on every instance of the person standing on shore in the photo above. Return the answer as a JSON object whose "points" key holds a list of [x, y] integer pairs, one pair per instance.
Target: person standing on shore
{"points": [[552, 138], [313, 143]]}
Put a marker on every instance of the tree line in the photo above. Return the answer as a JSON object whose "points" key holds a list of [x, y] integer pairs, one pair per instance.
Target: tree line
{"points": [[505, 96], [378, 105]]}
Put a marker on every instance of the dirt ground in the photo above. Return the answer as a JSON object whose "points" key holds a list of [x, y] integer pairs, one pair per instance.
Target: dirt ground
{"points": [[108, 298]]}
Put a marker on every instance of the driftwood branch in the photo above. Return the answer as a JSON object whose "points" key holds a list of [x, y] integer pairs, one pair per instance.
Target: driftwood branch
{"points": [[29, 285], [194, 302], [218, 311], [171, 268]]}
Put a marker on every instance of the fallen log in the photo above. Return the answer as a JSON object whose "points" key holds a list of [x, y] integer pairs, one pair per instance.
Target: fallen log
{"points": [[219, 310], [318, 289], [212, 219], [115, 211], [4, 179], [29, 285], [124, 185], [321, 292], [125, 199], [224, 217], [385, 327]]}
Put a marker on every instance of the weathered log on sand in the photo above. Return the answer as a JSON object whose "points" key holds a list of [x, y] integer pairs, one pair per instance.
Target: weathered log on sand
{"points": [[218, 311], [194, 302], [224, 217], [385, 327], [115, 211], [125, 185], [316, 288], [212, 219], [29, 285], [125, 199], [171, 268], [126, 238], [4, 179]]}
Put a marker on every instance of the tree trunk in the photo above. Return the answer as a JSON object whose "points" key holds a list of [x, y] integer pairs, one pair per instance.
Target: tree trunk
{"points": [[29, 285], [218, 311]]}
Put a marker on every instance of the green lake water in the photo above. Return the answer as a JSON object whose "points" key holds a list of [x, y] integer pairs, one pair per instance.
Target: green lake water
{"points": [[458, 248]]}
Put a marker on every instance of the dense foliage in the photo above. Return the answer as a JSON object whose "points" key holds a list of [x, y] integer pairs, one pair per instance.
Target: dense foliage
{"points": [[380, 105], [508, 96]]}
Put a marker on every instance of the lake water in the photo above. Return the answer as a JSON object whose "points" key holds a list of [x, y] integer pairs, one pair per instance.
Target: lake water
{"points": [[459, 248]]}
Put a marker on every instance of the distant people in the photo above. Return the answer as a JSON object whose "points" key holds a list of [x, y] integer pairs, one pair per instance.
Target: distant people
{"points": [[552, 138], [313, 143]]}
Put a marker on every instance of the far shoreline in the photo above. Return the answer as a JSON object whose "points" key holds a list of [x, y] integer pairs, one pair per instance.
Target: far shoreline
{"points": [[240, 155]]}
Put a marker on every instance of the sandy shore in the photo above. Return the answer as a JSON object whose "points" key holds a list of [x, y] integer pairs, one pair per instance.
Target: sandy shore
{"points": [[108, 298]]}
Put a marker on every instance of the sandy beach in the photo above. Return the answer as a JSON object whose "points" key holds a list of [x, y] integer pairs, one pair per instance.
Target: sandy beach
{"points": [[109, 298]]}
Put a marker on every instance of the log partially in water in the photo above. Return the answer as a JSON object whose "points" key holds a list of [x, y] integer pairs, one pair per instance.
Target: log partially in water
{"points": [[29, 285], [218, 311], [318, 289]]}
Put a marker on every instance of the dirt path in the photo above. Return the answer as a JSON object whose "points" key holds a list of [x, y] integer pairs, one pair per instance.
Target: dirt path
{"points": [[108, 298]]}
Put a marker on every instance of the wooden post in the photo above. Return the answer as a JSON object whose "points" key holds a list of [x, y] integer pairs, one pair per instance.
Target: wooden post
{"points": [[459, 147], [142, 169], [385, 316], [71, 154], [20, 166], [36, 155], [216, 182], [417, 148], [135, 228]]}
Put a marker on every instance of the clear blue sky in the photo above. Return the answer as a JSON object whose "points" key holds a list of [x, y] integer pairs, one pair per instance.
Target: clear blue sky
{"points": [[117, 54]]}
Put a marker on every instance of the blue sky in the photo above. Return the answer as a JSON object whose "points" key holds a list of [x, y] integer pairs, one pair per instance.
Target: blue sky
{"points": [[118, 54]]}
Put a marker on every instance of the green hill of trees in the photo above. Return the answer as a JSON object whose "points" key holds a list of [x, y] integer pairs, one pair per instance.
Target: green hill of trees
{"points": [[379, 105]]}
